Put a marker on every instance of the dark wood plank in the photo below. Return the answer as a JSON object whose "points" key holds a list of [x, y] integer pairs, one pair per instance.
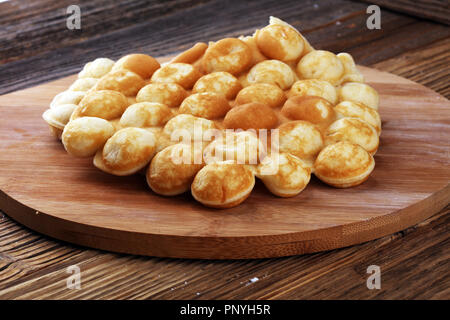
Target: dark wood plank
{"points": [[399, 42], [337, 26], [428, 66], [40, 26], [337, 274], [436, 10], [162, 35], [372, 46]]}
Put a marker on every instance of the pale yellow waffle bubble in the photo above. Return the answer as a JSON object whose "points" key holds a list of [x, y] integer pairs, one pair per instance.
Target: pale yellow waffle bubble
{"points": [[67, 97], [145, 114], [353, 130], [169, 173], [359, 92], [284, 174], [272, 72], [223, 83], [208, 105], [122, 80], [97, 68], [84, 136], [105, 104], [314, 87], [170, 94], [183, 74], [302, 139], [346, 109], [83, 84], [187, 127], [322, 65]]}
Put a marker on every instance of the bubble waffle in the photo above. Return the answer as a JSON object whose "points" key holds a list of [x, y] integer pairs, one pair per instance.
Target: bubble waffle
{"points": [[67, 97], [170, 173], [350, 109], [97, 68], [82, 137], [83, 84], [280, 42], [273, 72], [301, 139], [229, 55], [223, 184], [162, 139], [284, 175], [314, 87], [351, 72], [256, 55], [105, 104], [268, 94], [58, 117], [343, 164], [314, 109], [253, 115], [322, 65], [359, 92], [183, 74], [145, 114], [191, 55], [135, 114], [140, 64], [242, 147], [223, 83], [208, 105], [188, 125], [353, 130], [122, 80], [170, 94], [126, 152]]}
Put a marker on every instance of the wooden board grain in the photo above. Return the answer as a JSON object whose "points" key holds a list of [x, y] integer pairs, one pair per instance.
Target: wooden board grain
{"points": [[67, 198]]}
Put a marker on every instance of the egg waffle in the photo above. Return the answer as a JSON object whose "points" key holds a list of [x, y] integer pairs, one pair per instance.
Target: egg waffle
{"points": [[303, 111]]}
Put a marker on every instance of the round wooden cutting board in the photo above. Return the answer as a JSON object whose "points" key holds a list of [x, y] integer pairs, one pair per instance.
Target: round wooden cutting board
{"points": [[67, 198]]}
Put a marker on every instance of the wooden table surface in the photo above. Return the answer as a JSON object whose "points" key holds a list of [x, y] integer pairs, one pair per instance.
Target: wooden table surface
{"points": [[36, 46]]}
